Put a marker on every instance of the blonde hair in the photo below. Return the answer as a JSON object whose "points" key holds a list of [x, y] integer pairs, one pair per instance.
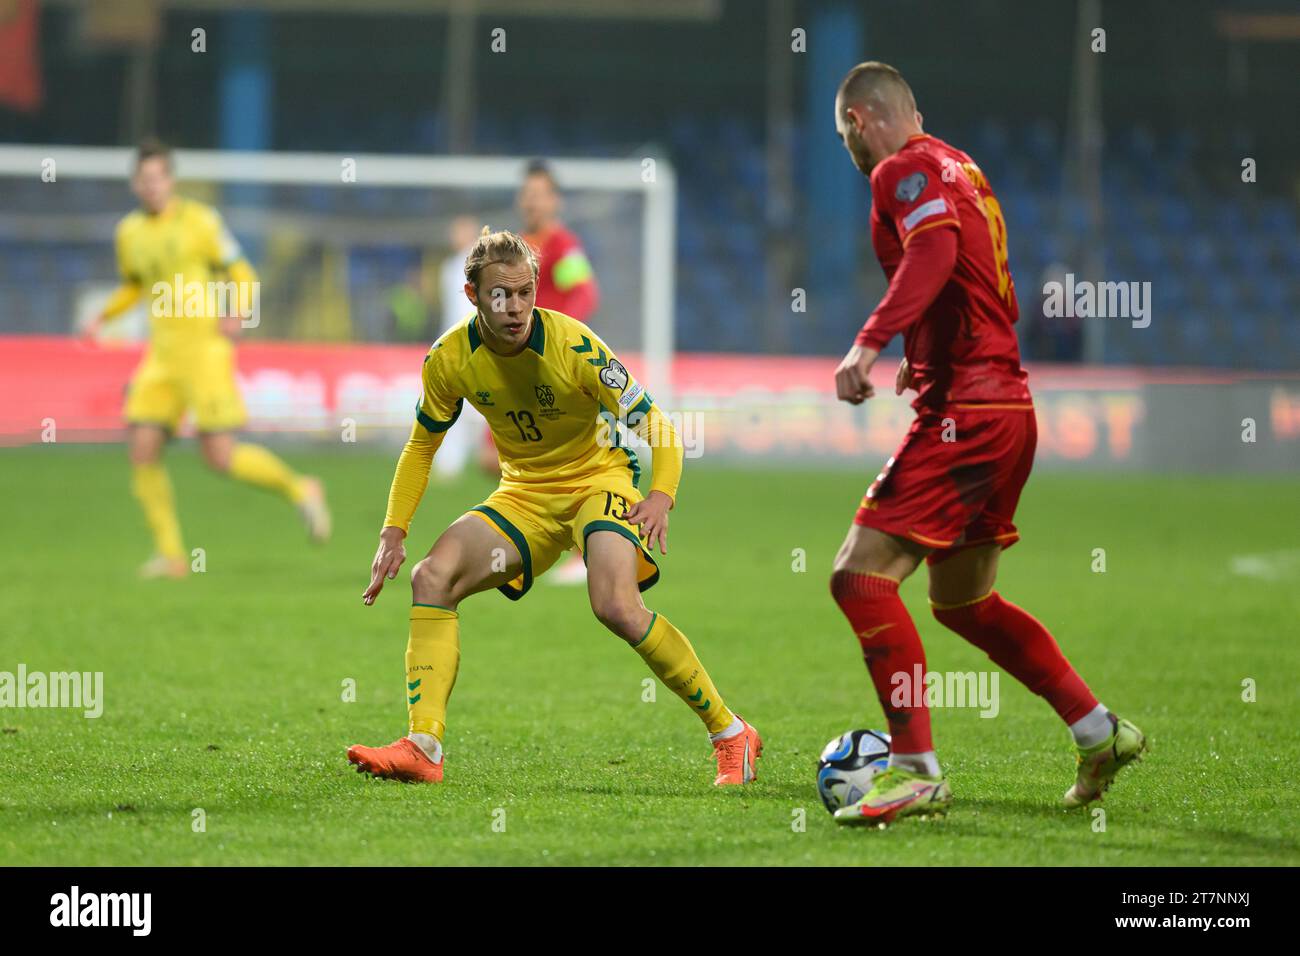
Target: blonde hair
{"points": [[501, 246]]}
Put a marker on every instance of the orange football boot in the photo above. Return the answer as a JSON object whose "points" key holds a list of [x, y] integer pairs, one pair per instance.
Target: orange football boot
{"points": [[401, 760], [736, 756], [161, 566]]}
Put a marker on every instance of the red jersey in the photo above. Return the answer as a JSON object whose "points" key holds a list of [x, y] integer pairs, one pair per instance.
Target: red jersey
{"points": [[954, 300], [565, 280]]}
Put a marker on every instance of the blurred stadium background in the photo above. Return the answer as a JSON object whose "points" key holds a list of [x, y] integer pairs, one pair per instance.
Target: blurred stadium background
{"points": [[1123, 165]]}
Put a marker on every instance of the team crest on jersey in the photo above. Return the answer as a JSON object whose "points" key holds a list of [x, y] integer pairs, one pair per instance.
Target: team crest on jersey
{"points": [[909, 187], [614, 375], [546, 403], [484, 398]]}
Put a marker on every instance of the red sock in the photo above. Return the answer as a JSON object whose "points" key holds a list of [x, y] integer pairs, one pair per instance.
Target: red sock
{"points": [[890, 645], [1015, 641]]}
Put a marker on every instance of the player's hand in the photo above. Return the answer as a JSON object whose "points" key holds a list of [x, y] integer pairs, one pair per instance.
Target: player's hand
{"points": [[389, 557], [650, 515], [852, 382], [903, 380]]}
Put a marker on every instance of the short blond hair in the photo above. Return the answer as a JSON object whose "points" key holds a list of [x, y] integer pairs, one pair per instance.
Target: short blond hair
{"points": [[501, 246]]}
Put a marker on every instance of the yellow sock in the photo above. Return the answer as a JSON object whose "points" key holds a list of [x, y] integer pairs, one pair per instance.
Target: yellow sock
{"points": [[673, 660], [259, 466], [153, 489], [432, 658]]}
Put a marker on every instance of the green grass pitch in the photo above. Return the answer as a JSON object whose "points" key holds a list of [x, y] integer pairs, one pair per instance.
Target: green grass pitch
{"points": [[224, 692]]}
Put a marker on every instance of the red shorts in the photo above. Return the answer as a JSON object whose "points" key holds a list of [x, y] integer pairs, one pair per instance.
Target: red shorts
{"points": [[954, 493]]}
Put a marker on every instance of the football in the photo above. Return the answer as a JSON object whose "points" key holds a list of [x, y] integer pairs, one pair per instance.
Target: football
{"points": [[848, 764]]}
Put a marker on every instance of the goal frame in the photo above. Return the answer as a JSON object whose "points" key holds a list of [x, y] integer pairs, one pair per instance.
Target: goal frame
{"points": [[653, 179]]}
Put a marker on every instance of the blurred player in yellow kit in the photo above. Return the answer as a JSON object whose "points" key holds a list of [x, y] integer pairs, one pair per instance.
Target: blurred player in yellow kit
{"points": [[550, 390], [179, 253]]}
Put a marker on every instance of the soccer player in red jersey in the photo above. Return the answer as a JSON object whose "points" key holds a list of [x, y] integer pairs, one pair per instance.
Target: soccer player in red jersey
{"points": [[949, 493], [565, 280], [565, 283]]}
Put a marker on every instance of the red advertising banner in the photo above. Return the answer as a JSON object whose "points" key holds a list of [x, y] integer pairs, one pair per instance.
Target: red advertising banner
{"points": [[732, 405]]}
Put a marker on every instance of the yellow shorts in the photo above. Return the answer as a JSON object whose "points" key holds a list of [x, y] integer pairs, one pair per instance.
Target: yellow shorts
{"points": [[545, 521], [200, 377]]}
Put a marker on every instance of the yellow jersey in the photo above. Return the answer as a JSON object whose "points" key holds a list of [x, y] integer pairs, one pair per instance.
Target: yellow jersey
{"points": [[177, 257], [553, 409]]}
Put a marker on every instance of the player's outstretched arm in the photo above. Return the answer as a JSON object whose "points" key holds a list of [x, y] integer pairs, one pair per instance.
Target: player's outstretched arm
{"points": [[613, 386], [409, 481], [123, 298], [245, 279], [927, 263], [437, 411], [650, 514], [389, 557]]}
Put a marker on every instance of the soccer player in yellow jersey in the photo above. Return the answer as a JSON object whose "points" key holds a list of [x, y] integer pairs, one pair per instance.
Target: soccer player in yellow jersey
{"points": [[180, 254], [550, 390]]}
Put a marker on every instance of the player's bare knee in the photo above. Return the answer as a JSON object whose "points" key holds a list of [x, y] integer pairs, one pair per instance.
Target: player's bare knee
{"points": [[622, 615], [145, 446], [434, 581], [867, 551], [217, 459], [144, 456]]}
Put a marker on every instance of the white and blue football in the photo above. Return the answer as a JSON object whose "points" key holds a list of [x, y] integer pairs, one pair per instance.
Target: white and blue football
{"points": [[848, 764]]}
